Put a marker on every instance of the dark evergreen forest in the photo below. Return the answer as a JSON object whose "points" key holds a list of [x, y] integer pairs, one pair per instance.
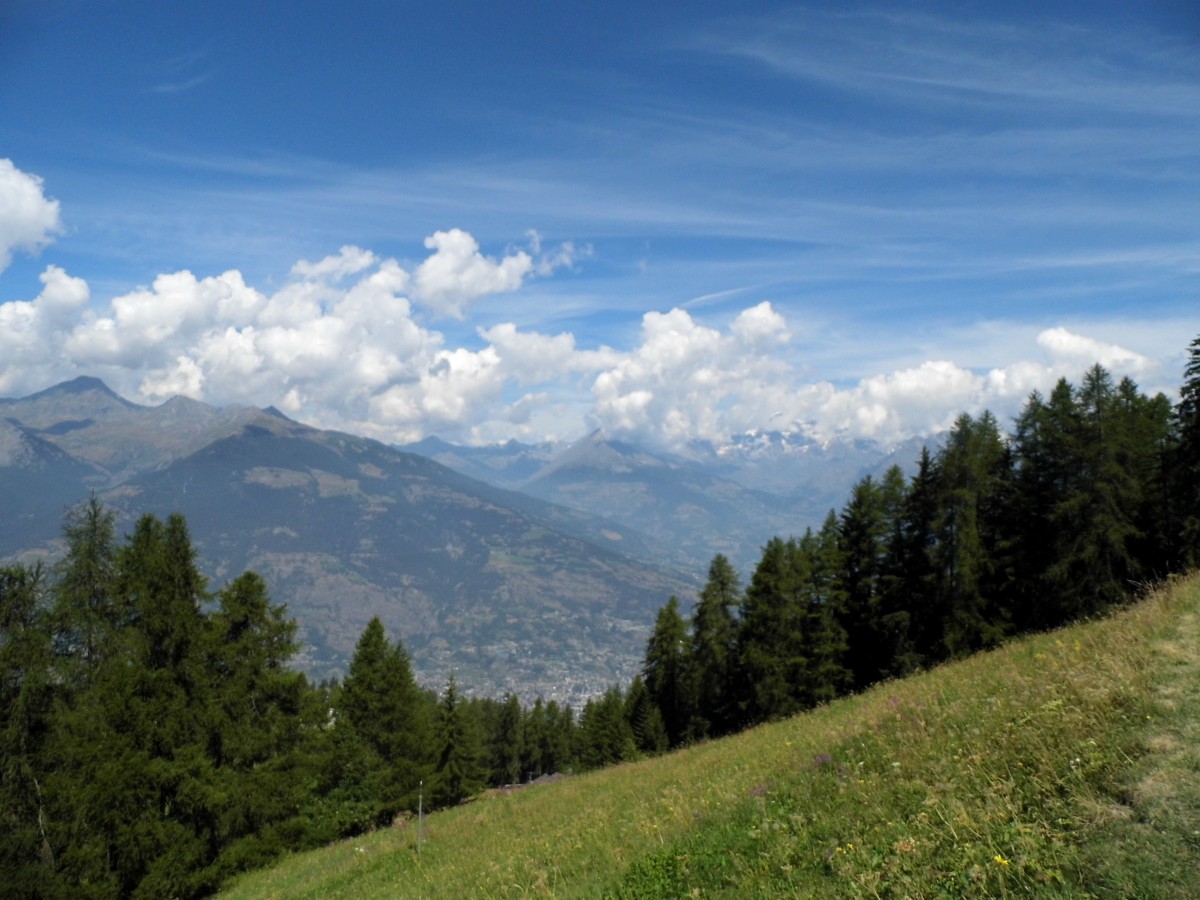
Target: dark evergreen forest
{"points": [[155, 740]]}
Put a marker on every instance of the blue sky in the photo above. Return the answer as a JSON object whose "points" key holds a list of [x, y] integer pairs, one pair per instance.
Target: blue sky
{"points": [[670, 221]]}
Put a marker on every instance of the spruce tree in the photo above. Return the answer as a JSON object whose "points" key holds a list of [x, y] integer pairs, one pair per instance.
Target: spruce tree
{"points": [[1142, 427], [459, 772], [560, 752], [606, 737], [536, 727], [768, 630], [259, 721], [915, 619], [27, 689], [826, 644], [713, 643], [645, 721], [1041, 479], [1095, 519], [381, 708], [132, 766], [666, 670], [790, 646], [970, 473], [1185, 464], [866, 524], [85, 615], [507, 744]]}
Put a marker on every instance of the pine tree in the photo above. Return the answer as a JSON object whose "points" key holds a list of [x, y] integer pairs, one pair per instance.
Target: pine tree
{"points": [[666, 673], [257, 719], [85, 615], [1185, 463], [866, 525], [790, 645], [915, 618], [27, 690], [970, 473], [645, 721], [381, 707], [1095, 519], [459, 773], [605, 735], [133, 774], [533, 750], [713, 642], [507, 743]]}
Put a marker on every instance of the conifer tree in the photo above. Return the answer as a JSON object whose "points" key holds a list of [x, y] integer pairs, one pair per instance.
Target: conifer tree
{"points": [[790, 645], [867, 523], [536, 727], [970, 472], [666, 672], [1185, 467], [27, 854], [133, 771], [1041, 481], [768, 629], [1142, 427], [713, 643], [381, 708], [606, 737], [645, 721], [257, 719], [560, 752], [508, 743], [915, 619], [85, 615], [1093, 565], [826, 644], [459, 773]]}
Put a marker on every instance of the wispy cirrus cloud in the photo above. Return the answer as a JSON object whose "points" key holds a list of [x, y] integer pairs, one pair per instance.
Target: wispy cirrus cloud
{"points": [[179, 87], [911, 57]]}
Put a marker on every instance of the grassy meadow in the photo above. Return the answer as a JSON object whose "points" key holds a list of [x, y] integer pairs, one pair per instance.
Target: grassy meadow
{"points": [[1064, 764]]}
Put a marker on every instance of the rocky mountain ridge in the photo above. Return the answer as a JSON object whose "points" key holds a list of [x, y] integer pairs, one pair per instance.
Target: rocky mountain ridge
{"points": [[509, 591]]}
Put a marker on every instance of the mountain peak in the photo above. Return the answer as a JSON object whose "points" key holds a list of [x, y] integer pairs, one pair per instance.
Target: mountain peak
{"points": [[275, 412], [84, 384]]}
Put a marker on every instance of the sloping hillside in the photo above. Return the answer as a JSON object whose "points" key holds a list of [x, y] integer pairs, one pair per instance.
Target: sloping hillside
{"points": [[1058, 766], [511, 592]]}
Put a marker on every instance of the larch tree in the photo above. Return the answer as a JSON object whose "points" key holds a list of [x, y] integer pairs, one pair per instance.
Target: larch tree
{"points": [[381, 707], [1185, 468], [666, 670], [713, 643]]}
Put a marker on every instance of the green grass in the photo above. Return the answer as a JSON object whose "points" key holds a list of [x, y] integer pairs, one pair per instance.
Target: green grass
{"points": [[1065, 764]]}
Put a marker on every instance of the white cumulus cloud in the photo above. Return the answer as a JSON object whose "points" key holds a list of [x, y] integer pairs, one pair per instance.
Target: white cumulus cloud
{"points": [[457, 274], [1079, 350], [28, 218], [339, 345], [31, 331]]}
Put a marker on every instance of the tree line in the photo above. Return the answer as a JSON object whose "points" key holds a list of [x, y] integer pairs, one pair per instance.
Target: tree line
{"points": [[154, 739], [1094, 494]]}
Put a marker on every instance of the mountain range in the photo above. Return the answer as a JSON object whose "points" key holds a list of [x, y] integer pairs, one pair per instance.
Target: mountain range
{"points": [[536, 569], [729, 498]]}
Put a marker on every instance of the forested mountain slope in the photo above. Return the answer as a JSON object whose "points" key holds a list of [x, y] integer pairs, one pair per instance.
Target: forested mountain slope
{"points": [[512, 592]]}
